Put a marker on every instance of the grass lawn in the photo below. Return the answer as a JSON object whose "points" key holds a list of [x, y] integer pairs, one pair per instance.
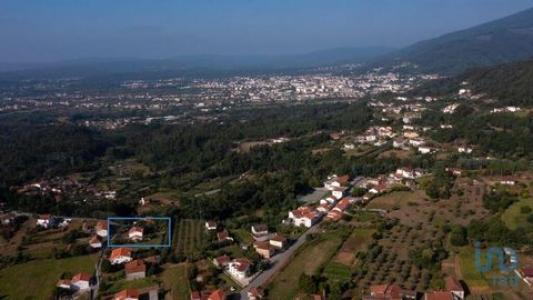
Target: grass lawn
{"points": [[513, 218], [175, 279], [242, 235], [120, 285], [473, 278], [337, 271], [308, 260], [37, 279], [396, 200]]}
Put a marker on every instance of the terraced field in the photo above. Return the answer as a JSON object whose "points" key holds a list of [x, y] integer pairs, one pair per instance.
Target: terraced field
{"points": [[190, 237]]}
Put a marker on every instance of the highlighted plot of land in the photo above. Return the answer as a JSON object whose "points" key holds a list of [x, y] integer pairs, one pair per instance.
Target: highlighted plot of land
{"points": [[139, 232]]}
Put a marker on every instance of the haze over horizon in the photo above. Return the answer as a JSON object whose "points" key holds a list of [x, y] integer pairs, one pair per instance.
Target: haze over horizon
{"points": [[36, 31]]}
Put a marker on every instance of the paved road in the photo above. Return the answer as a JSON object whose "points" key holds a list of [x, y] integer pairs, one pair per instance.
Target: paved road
{"points": [[278, 262]]}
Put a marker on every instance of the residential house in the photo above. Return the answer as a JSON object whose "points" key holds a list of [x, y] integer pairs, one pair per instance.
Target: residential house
{"points": [[264, 249], [335, 182], [221, 261], [135, 269], [240, 268], [410, 134], [388, 292], [323, 208], [453, 285], [46, 221], [64, 284], [425, 150], [278, 241], [343, 205], [439, 295], [255, 294], [259, 230], [338, 192], [127, 294], [101, 228], [136, 233], [305, 216], [334, 215], [409, 173], [211, 225], [95, 242], [81, 281], [217, 295], [223, 236], [464, 149], [120, 256]]}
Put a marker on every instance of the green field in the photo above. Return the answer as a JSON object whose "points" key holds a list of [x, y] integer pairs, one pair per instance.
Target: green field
{"points": [[175, 280], [120, 285], [337, 271], [37, 279], [309, 259], [190, 237], [473, 278], [513, 218]]}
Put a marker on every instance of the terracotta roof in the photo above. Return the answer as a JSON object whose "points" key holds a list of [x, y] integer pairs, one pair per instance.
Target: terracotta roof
{"points": [[278, 238], [125, 294], [81, 277], [120, 252], [256, 293], [94, 239], [262, 245], [217, 295], [439, 295], [453, 284], [135, 266], [343, 180], [100, 225], [242, 264], [528, 271], [386, 291]]}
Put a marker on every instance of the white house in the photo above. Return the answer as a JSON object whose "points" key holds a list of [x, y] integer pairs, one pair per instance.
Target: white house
{"points": [[136, 233], [210, 225], [424, 150], [45, 221], [304, 216], [120, 256], [95, 242], [101, 229], [81, 281], [336, 182], [464, 149], [239, 268], [259, 230]]}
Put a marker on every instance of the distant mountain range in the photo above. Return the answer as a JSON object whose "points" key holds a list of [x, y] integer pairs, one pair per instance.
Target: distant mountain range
{"points": [[199, 64], [504, 40], [510, 84]]}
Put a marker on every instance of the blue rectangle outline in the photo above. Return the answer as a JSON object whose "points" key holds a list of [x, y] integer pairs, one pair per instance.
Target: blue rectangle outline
{"points": [[111, 245]]}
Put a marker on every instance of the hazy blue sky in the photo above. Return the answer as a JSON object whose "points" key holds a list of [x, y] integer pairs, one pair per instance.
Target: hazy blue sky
{"points": [[47, 30]]}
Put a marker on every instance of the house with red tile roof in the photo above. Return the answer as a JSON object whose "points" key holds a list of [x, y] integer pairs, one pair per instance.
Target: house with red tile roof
{"points": [[223, 236], [95, 242], [388, 292], [135, 269], [278, 241], [255, 294], [264, 249], [136, 233], [217, 295], [127, 294], [305, 216], [439, 295], [240, 268], [81, 281], [120, 256], [453, 285], [101, 228]]}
